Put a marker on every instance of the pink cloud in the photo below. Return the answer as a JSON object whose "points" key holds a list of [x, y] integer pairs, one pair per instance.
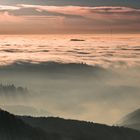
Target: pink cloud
{"points": [[81, 11], [6, 7], [68, 10], [5, 17], [104, 13], [89, 18]]}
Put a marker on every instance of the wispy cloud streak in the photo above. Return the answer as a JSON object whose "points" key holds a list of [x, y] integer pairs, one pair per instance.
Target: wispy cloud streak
{"points": [[81, 11], [104, 13], [92, 18], [6, 7]]}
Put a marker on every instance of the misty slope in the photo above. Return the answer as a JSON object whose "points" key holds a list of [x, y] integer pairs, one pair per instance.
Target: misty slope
{"points": [[81, 130], [131, 120], [13, 128]]}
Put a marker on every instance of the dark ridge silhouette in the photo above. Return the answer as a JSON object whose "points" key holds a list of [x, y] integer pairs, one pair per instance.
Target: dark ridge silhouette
{"points": [[13, 128], [29, 128], [132, 120], [11, 89], [81, 130], [51, 67]]}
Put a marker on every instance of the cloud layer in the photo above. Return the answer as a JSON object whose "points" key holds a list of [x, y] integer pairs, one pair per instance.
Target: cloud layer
{"points": [[81, 19]]}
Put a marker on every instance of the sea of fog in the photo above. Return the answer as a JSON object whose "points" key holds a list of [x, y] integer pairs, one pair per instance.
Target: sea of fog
{"points": [[85, 77], [95, 50]]}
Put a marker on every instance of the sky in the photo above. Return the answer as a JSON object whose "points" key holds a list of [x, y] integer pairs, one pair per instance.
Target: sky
{"points": [[69, 16]]}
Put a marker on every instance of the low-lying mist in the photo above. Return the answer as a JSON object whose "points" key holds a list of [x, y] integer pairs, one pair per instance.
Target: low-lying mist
{"points": [[77, 91]]}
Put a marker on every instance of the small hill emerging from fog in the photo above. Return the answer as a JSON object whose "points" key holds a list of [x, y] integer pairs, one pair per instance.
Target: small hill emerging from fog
{"points": [[29, 128], [132, 120]]}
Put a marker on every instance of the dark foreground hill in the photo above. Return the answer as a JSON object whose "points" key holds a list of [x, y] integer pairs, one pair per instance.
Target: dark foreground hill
{"points": [[13, 128], [81, 130], [132, 120], [29, 128]]}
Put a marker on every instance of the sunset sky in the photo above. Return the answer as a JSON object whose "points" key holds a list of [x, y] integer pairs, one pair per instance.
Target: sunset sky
{"points": [[69, 16]]}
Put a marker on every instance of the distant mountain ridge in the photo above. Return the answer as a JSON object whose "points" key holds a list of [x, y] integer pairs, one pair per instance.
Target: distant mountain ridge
{"points": [[29, 128], [132, 120], [55, 70], [51, 66]]}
